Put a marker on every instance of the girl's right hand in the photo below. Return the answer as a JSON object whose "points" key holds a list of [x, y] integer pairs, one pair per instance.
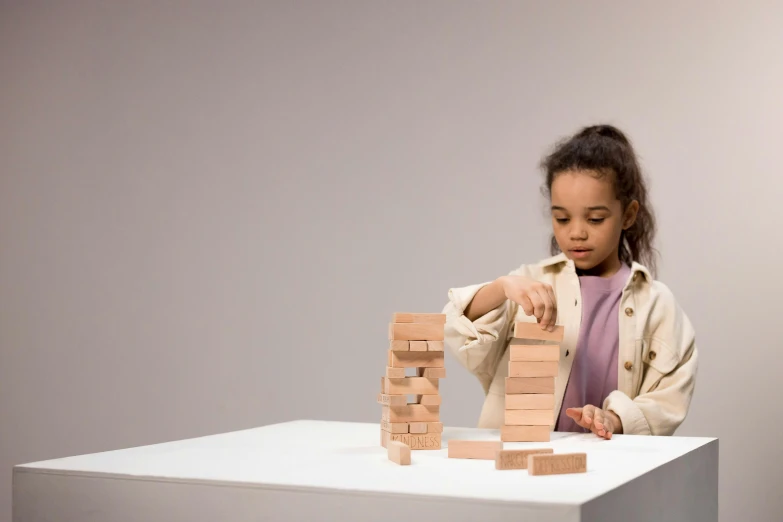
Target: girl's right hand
{"points": [[534, 297]]}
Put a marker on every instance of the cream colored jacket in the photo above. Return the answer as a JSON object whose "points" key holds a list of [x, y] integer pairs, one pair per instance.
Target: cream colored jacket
{"points": [[657, 359]]}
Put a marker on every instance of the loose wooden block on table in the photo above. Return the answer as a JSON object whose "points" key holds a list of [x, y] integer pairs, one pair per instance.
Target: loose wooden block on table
{"points": [[415, 441], [533, 331], [531, 369], [525, 433], [517, 458], [410, 386], [417, 359], [432, 373], [556, 464], [411, 413], [529, 417], [534, 352], [516, 385], [429, 318], [418, 346], [530, 401], [399, 452], [474, 449], [416, 332]]}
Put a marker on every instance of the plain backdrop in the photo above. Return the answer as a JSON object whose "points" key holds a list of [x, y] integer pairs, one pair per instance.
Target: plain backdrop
{"points": [[210, 210]]}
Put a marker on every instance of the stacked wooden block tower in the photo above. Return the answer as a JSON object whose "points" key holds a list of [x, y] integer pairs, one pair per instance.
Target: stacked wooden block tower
{"points": [[415, 364], [530, 385]]}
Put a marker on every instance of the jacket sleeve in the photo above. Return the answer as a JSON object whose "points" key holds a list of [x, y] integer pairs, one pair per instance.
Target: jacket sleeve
{"points": [[668, 387], [477, 345]]}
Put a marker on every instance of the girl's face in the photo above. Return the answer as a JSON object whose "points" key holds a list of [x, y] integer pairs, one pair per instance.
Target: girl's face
{"points": [[588, 220]]}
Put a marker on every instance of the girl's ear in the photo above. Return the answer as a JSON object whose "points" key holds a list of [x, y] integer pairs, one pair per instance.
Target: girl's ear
{"points": [[629, 218]]}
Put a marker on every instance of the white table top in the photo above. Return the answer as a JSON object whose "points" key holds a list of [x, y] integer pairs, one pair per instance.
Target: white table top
{"points": [[348, 457]]}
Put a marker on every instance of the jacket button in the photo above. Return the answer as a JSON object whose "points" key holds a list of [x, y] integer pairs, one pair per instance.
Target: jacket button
{"points": [[651, 355], [628, 365], [629, 312]]}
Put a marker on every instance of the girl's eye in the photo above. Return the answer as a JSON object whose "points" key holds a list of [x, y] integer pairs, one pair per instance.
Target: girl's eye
{"points": [[561, 220], [597, 221]]}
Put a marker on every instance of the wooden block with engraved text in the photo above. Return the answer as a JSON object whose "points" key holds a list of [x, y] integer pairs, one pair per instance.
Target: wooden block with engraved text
{"points": [[417, 360], [399, 452], [418, 441], [525, 433], [416, 331], [528, 369], [517, 458], [401, 317], [394, 427], [533, 331], [392, 400], [529, 417], [530, 385], [530, 401], [474, 449], [534, 352], [557, 464]]}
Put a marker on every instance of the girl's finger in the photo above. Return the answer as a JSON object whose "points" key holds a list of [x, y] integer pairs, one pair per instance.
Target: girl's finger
{"points": [[598, 422], [546, 317], [588, 413]]}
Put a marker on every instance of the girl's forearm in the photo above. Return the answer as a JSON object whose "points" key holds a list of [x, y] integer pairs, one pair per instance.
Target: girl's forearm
{"points": [[487, 298]]}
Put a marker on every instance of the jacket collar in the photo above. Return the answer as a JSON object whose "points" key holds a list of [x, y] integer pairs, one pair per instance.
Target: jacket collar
{"points": [[562, 260]]}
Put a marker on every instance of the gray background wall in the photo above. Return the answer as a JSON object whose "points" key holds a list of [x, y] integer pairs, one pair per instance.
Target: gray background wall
{"points": [[209, 211]]}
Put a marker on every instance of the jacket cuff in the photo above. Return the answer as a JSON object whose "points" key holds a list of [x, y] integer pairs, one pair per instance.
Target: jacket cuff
{"points": [[634, 421]]}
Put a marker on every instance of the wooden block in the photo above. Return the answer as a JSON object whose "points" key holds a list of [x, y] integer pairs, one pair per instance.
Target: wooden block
{"points": [[530, 401], [517, 458], [417, 427], [529, 369], [418, 441], [418, 346], [394, 427], [392, 400], [385, 438], [435, 346], [418, 360], [399, 346], [474, 449], [534, 352], [399, 453], [529, 417], [533, 331], [395, 373], [411, 413], [525, 433], [410, 386], [419, 318], [434, 427], [557, 464], [416, 331], [530, 385], [432, 373], [429, 400]]}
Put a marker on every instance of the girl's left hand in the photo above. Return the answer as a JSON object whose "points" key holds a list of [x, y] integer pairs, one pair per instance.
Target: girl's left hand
{"points": [[601, 422]]}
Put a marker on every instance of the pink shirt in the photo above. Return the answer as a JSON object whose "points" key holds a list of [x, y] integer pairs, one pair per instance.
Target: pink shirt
{"points": [[594, 371]]}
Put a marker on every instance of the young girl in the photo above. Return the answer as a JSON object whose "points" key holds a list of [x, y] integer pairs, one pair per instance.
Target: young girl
{"points": [[628, 357]]}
